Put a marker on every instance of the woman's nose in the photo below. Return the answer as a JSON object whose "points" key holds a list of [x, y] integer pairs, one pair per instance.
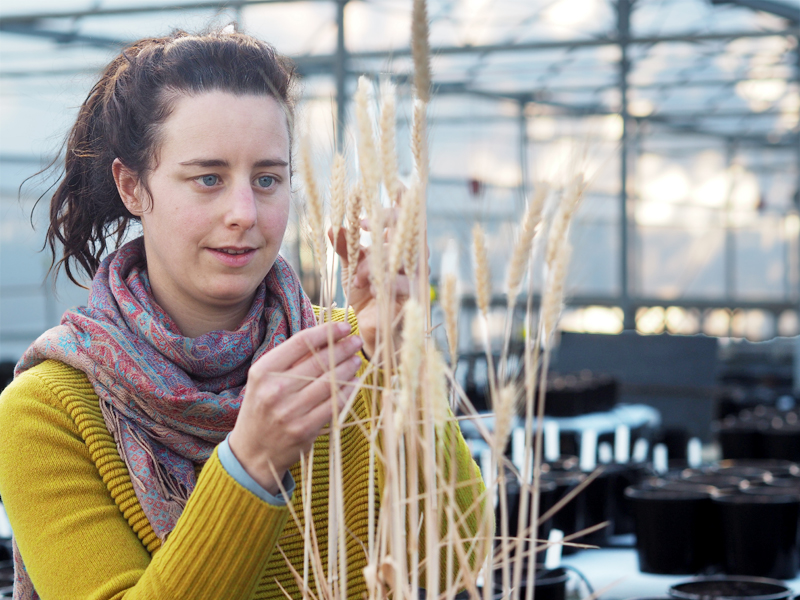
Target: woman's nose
{"points": [[241, 210]]}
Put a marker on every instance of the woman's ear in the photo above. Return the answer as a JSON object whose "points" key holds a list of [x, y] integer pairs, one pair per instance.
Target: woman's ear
{"points": [[128, 187]]}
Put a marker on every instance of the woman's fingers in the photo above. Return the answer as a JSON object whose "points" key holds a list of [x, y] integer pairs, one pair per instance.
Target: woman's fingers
{"points": [[322, 389], [322, 361], [299, 346]]}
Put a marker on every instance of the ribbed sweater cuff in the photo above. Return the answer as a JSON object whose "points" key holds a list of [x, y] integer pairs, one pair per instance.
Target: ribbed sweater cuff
{"points": [[223, 539]]}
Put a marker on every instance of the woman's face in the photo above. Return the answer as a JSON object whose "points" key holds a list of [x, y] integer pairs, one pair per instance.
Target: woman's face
{"points": [[220, 202]]}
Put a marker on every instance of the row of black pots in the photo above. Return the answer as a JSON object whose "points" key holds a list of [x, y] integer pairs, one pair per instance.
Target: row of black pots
{"points": [[706, 523], [549, 584], [731, 588], [601, 501], [727, 588], [772, 435], [552, 585]]}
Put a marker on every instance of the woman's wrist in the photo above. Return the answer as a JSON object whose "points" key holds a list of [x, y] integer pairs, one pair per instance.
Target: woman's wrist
{"points": [[259, 468]]}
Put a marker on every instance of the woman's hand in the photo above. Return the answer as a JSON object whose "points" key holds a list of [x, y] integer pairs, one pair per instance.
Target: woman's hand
{"points": [[362, 295], [288, 399]]}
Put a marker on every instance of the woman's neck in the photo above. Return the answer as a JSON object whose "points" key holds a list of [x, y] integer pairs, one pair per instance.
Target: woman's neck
{"points": [[194, 322]]}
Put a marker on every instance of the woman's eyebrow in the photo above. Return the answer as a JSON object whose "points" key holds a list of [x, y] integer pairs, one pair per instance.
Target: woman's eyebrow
{"points": [[218, 162]]}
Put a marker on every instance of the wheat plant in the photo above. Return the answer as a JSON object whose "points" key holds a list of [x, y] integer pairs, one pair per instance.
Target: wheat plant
{"points": [[416, 532]]}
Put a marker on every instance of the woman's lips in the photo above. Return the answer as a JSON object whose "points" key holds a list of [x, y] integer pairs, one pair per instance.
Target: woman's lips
{"points": [[242, 257]]}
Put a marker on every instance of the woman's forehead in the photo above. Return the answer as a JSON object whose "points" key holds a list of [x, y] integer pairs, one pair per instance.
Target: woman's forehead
{"points": [[222, 122]]}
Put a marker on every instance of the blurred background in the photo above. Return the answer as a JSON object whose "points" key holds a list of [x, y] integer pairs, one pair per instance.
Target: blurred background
{"points": [[683, 114], [686, 113], [682, 321]]}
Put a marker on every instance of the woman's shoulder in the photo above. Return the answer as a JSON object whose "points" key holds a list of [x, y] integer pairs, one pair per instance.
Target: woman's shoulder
{"points": [[42, 388]]}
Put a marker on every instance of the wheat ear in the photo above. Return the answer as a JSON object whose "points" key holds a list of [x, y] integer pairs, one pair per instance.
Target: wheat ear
{"points": [[561, 219], [338, 193], [412, 213], [450, 307], [420, 50], [353, 218], [553, 298], [522, 250], [315, 212], [388, 125], [419, 139], [437, 396], [483, 286], [367, 149]]}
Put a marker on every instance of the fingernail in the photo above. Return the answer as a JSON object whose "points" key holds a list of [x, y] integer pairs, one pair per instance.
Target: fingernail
{"points": [[343, 328], [356, 341], [356, 360]]}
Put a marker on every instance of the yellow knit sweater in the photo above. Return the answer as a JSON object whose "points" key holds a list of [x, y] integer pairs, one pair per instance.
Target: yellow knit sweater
{"points": [[83, 533]]}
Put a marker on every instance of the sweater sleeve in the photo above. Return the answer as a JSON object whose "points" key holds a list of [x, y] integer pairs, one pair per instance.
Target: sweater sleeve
{"points": [[77, 544]]}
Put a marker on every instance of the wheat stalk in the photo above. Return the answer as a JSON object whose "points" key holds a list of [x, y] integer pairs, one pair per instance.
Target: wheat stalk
{"points": [[411, 354]]}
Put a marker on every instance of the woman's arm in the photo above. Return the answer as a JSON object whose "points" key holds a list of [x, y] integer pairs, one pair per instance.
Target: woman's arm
{"points": [[75, 540]]}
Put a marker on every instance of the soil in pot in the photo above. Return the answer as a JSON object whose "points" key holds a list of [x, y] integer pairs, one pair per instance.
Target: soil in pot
{"points": [[731, 588], [674, 528], [759, 533]]}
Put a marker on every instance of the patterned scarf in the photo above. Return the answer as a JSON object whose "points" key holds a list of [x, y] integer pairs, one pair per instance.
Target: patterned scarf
{"points": [[168, 400]]}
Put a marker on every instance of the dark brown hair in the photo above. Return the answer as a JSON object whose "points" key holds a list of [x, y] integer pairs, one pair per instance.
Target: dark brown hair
{"points": [[121, 118]]}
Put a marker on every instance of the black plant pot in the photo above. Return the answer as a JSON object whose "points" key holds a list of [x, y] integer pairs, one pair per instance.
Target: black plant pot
{"points": [[742, 440], [548, 496], [782, 443], [566, 519], [622, 511], [596, 505], [674, 529], [777, 468], [722, 483], [731, 588], [759, 533], [550, 584]]}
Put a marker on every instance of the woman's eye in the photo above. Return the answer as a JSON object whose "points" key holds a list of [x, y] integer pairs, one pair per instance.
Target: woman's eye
{"points": [[266, 181], [209, 180]]}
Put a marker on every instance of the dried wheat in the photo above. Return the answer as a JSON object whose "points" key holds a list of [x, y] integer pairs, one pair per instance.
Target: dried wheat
{"points": [[483, 286], [450, 304]]}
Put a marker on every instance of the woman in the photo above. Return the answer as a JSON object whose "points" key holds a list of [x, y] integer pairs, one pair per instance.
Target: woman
{"points": [[135, 461]]}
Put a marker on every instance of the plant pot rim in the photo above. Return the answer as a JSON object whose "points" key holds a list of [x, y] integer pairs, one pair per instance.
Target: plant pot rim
{"points": [[782, 497], [667, 494], [782, 592]]}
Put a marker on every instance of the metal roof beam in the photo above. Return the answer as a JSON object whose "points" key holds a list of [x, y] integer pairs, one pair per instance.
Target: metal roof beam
{"points": [[780, 9], [31, 18]]}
